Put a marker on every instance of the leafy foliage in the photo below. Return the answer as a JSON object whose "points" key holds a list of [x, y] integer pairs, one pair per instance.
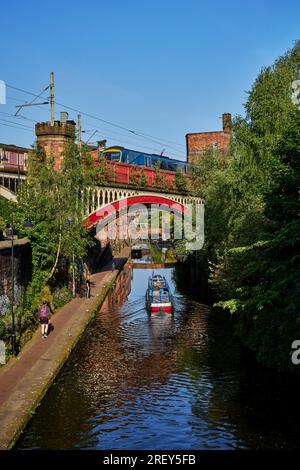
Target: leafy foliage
{"points": [[6, 208], [159, 180], [54, 202], [61, 297], [134, 178], [252, 226], [143, 179], [180, 182]]}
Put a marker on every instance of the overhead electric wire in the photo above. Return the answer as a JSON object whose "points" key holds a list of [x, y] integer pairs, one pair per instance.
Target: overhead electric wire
{"points": [[32, 101], [18, 100], [20, 116], [105, 133], [102, 132], [15, 127], [133, 132], [24, 91], [16, 123], [165, 140], [140, 134], [108, 133], [154, 150]]}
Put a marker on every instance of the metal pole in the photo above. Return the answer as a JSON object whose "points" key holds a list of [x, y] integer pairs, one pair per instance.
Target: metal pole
{"points": [[79, 130], [13, 326], [52, 98], [73, 275]]}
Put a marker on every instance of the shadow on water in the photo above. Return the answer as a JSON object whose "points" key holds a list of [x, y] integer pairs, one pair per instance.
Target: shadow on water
{"points": [[162, 382]]}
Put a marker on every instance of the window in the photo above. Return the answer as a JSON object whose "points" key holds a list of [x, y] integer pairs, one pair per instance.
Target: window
{"points": [[163, 164], [113, 156], [136, 158]]}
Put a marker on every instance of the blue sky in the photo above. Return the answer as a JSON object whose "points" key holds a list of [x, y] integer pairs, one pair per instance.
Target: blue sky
{"points": [[163, 68]]}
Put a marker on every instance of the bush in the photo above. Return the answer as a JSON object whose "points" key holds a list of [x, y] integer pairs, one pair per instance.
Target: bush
{"points": [[61, 297], [180, 181]]}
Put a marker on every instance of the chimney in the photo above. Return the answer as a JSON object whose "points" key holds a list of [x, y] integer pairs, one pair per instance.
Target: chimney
{"points": [[101, 145], [64, 117], [227, 123]]}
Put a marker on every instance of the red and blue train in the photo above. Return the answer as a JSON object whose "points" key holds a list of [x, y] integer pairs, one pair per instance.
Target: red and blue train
{"points": [[152, 160]]}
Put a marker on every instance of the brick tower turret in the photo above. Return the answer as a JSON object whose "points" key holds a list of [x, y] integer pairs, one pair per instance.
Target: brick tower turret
{"points": [[53, 138]]}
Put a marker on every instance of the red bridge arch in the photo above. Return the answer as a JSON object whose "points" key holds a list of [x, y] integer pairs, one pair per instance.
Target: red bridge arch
{"points": [[116, 206]]}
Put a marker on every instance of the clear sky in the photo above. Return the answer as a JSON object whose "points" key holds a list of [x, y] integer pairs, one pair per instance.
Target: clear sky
{"points": [[164, 68]]}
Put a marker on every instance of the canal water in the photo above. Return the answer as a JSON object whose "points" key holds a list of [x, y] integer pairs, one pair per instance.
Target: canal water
{"points": [[162, 382]]}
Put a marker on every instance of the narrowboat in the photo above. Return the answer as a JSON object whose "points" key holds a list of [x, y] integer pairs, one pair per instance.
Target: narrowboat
{"points": [[158, 296]]}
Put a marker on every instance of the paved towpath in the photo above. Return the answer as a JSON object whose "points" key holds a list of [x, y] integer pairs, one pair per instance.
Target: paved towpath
{"points": [[26, 378]]}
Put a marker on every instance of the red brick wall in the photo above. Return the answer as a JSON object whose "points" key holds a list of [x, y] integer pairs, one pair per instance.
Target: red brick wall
{"points": [[54, 147], [53, 139], [198, 142]]}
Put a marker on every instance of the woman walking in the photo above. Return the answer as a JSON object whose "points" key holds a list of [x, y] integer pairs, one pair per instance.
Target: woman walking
{"points": [[44, 314]]}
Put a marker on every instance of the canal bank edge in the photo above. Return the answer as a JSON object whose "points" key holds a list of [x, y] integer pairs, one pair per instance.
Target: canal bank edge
{"points": [[19, 407]]}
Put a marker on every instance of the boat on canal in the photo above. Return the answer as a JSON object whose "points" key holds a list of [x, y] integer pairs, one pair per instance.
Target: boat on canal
{"points": [[158, 295]]}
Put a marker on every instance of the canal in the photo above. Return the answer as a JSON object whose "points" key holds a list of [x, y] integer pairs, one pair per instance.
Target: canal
{"points": [[162, 382]]}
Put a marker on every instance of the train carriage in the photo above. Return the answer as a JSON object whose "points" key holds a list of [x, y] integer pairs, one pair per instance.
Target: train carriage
{"points": [[134, 157]]}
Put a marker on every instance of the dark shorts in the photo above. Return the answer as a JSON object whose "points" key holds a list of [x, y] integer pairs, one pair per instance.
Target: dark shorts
{"points": [[44, 320]]}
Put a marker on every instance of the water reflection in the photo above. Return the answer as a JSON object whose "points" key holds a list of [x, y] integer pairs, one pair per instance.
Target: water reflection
{"points": [[156, 382]]}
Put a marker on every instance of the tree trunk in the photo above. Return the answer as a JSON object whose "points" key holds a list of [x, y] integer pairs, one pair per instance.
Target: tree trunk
{"points": [[56, 258]]}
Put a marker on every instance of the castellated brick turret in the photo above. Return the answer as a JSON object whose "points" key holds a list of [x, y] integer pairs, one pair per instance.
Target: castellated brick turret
{"points": [[53, 138]]}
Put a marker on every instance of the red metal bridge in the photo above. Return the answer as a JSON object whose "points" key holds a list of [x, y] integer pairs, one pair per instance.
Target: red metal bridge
{"points": [[14, 164]]}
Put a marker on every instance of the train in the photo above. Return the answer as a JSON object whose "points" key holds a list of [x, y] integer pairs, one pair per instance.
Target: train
{"points": [[152, 160]]}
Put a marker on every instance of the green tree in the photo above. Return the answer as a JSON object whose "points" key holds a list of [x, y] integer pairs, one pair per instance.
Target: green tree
{"points": [[6, 208], [143, 179], [54, 202], [267, 292], [100, 172], [180, 181], [134, 178], [159, 180], [252, 217]]}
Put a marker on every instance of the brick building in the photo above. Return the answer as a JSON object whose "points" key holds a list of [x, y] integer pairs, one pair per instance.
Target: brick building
{"points": [[198, 142], [13, 158]]}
